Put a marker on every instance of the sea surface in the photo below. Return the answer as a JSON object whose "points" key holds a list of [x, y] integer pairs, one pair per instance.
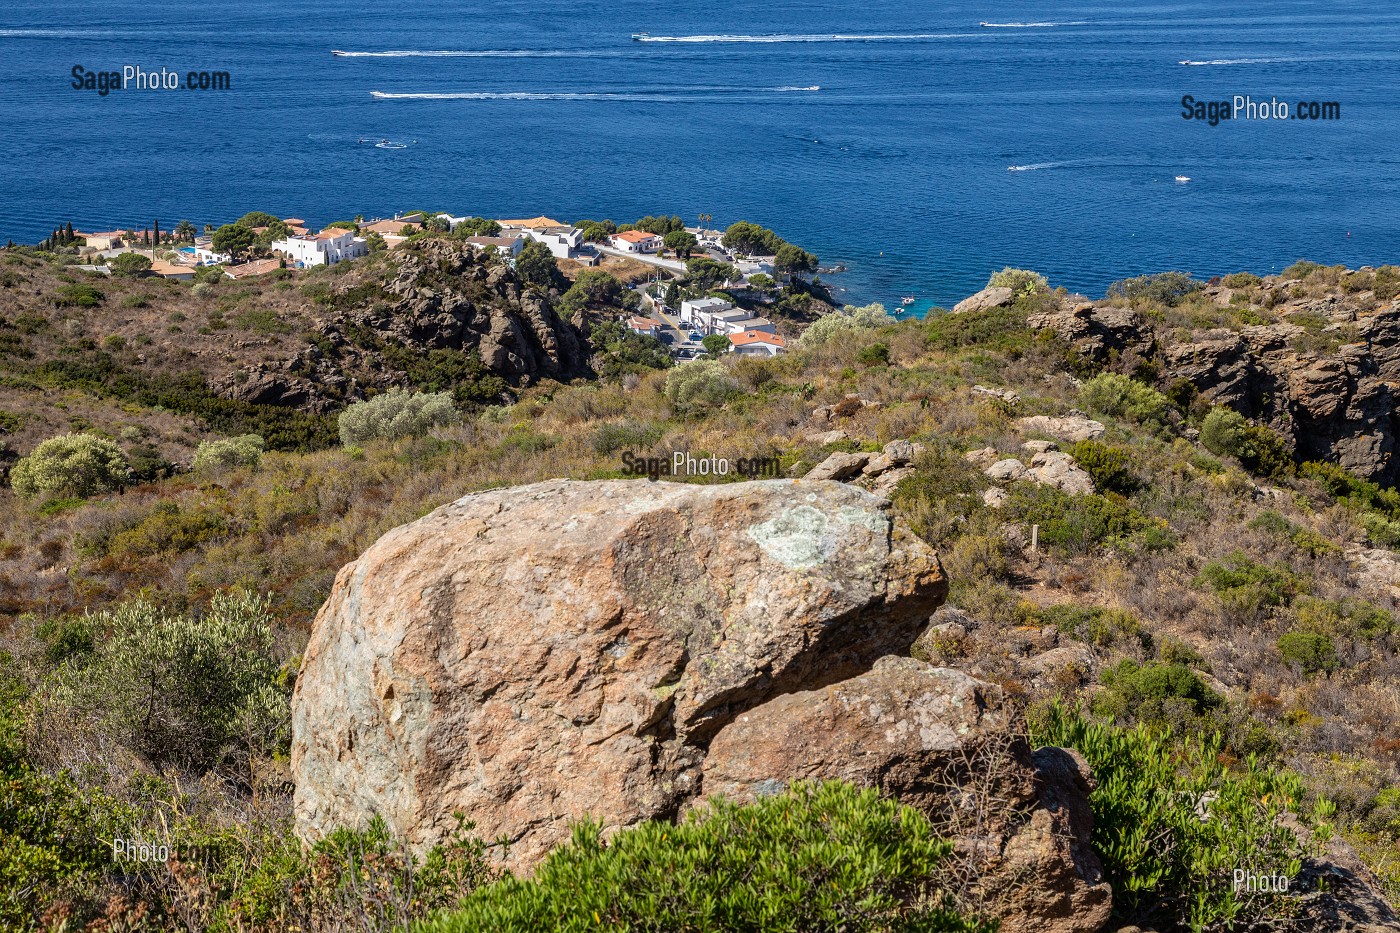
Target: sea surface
{"points": [[906, 141]]}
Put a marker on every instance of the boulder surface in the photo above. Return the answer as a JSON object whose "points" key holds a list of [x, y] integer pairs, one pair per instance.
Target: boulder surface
{"points": [[529, 656]]}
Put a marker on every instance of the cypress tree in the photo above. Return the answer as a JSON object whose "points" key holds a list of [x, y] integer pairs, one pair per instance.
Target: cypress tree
{"points": [[157, 233], [69, 232]]}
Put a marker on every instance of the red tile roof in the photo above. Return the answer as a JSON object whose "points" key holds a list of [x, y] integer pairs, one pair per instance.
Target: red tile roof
{"points": [[636, 236], [756, 336]]}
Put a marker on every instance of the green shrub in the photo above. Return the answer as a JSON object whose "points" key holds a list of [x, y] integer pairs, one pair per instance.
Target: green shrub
{"points": [[700, 384], [1351, 617], [844, 322], [1310, 652], [179, 689], [1304, 539], [874, 354], [170, 529], [1078, 525], [1120, 397], [1172, 823], [245, 450], [1022, 282], [1110, 467], [1262, 452], [825, 857], [79, 465], [1156, 693], [1096, 625], [396, 413], [80, 295], [625, 435], [617, 351], [1164, 288], [1244, 585], [1241, 280]]}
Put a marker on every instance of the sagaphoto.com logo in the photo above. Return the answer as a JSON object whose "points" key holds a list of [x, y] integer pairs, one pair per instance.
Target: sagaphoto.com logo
{"points": [[136, 78], [1244, 107]]}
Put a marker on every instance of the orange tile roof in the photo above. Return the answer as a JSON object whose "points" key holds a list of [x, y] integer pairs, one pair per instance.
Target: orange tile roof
{"points": [[642, 323], [330, 233], [294, 221], [256, 267], [755, 336], [534, 223], [390, 227], [636, 236]]}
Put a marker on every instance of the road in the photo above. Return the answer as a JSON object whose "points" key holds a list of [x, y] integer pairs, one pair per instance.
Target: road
{"points": [[670, 265]]}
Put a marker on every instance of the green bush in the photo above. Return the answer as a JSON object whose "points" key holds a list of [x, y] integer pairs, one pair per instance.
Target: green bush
{"points": [[1246, 586], [245, 450], [1022, 282], [79, 465], [617, 351], [1262, 452], [1120, 397], [1172, 823], [1096, 625], [1351, 617], [80, 295], [179, 689], [875, 354], [1164, 288], [815, 858], [625, 435], [1110, 467], [700, 384], [396, 413], [1077, 525], [1160, 694], [1310, 652], [844, 322], [1001, 329]]}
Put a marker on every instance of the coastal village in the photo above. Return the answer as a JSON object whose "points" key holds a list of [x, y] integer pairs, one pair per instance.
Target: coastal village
{"points": [[681, 323]]}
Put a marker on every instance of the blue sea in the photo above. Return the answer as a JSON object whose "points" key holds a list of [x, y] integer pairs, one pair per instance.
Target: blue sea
{"points": [[906, 141]]}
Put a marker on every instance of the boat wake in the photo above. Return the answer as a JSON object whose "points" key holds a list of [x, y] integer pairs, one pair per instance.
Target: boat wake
{"points": [[1030, 25], [664, 95], [1034, 167], [835, 37], [479, 53], [1236, 61]]}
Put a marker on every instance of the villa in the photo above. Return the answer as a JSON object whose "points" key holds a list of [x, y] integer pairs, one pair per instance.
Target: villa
{"points": [[326, 248], [697, 311], [644, 326], [636, 241], [110, 239], [757, 343], [717, 316], [169, 270], [206, 255]]}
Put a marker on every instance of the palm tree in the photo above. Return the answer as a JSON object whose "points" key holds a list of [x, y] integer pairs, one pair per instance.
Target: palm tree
{"points": [[184, 230]]}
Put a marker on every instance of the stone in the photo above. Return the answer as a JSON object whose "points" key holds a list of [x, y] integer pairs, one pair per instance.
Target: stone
{"points": [[886, 483], [988, 298], [1098, 331], [927, 736], [902, 452], [533, 654], [840, 466], [995, 497], [1040, 447], [983, 456], [1005, 395], [1067, 428], [823, 438], [1053, 468], [1006, 471]]}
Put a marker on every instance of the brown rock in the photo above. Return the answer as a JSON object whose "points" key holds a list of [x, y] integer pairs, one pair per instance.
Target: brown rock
{"points": [[1068, 428], [840, 466], [531, 655], [936, 739], [985, 300]]}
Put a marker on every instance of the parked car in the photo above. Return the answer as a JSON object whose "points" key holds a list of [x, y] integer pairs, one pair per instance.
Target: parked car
{"points": [[695, 336]]}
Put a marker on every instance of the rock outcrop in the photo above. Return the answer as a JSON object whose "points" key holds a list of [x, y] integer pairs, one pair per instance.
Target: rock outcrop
{"points": [[532, 655], [1330, 391], [998, 296], [438, 295]]}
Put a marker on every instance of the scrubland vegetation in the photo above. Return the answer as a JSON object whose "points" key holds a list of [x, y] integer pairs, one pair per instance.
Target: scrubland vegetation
{"points": [[153, 620]]}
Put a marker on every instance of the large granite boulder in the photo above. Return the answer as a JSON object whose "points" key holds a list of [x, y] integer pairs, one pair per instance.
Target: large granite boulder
{"points": [[952, 746], [529, 656]]}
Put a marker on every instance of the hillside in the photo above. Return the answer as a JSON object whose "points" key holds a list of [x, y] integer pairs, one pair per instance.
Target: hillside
{"points": [[1171, 509]]}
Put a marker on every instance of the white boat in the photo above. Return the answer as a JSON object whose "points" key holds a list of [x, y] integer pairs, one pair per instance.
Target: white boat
{"points": [[1182, 179], [640, 36], [386, 144], [906, 302]]}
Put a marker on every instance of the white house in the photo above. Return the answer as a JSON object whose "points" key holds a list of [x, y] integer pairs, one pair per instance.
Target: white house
{"points": [[507, 246], [326, 248], [738, 322], [697, 311], [636, 241], [756, 343], [562, 241], [644, 325], [206, 255]]}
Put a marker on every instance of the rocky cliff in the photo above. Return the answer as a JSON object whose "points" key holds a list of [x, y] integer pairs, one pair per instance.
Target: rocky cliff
{"points": [[1322, 372], [382, 322]]}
